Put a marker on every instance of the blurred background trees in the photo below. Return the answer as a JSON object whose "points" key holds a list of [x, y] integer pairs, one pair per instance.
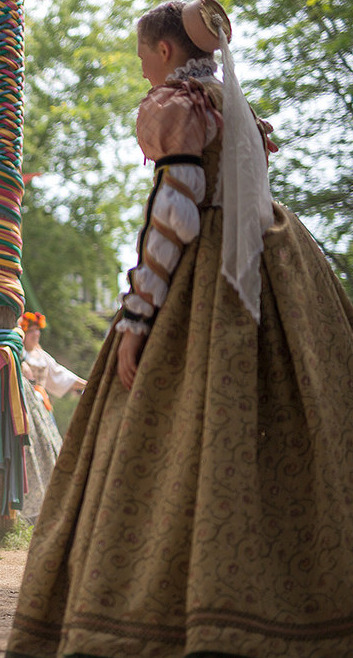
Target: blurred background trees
{"points": [[300, 54], [83, 84], [83, 87]]}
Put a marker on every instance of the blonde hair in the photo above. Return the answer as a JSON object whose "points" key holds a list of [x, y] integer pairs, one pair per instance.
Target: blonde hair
{"points": [[165, 22]]}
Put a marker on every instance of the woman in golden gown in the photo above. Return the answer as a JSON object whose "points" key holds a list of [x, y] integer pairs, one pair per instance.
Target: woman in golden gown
{"points": [[202, 501]]}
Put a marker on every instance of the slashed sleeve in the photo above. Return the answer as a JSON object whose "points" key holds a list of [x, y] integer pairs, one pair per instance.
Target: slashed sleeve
{"points": [[173, 125]]}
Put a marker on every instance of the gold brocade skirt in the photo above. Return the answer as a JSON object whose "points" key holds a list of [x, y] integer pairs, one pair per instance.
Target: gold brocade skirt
{"points": [[211, 508]]}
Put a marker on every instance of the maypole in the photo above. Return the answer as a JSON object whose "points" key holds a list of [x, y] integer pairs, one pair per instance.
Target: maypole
{"points": [[13, 420]]}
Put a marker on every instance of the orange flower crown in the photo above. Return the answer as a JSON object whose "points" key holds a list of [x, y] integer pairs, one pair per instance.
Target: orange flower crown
{"points": [[28, 319]]}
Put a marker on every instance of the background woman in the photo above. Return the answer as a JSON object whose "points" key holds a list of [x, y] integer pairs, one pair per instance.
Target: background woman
{"points": [[42, 375]]}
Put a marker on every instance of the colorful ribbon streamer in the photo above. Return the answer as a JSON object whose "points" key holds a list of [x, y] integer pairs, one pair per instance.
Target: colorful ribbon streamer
{"points": [[13, 426], [11, 140], [14, 423]]}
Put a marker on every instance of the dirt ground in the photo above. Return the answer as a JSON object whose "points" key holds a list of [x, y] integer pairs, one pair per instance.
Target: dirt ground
{"points": [[12, 564]]}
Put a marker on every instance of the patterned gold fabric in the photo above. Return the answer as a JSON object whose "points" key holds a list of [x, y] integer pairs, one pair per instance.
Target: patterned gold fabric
{"points": [[211, 507]]}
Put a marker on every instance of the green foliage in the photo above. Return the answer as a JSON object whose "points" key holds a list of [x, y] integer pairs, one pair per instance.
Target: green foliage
{"points": [[301, 58], [18, 538], [83, 84], [63, 409]]}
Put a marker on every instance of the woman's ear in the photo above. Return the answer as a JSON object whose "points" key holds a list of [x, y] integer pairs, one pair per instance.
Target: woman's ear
{"points": [[165, 50]]}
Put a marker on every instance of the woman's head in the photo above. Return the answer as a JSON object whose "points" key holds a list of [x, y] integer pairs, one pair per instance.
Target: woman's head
{"points": [[164, 26], [32, 337], [165, 23], [32, 324]]}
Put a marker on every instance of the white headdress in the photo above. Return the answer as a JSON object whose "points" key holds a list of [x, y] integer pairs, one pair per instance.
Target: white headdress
{"points": [[247, 201]]}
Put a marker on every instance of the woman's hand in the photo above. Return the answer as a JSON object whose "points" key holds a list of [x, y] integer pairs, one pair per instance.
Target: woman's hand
{"points": [[129, 352], [79, 385]]}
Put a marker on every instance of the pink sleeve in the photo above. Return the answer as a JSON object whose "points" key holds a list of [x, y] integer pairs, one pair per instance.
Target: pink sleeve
{"points": [[172, 120]]}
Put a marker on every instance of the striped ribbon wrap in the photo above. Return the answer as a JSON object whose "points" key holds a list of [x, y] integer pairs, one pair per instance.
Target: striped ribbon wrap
{"points": [[13, 423], [14, 427], [11, 142]]}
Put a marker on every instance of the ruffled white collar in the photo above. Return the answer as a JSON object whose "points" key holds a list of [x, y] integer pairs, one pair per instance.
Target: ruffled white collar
{"points": [[195, 68]]}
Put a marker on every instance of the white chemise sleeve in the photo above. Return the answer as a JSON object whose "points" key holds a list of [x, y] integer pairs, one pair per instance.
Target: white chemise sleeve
{"points": [[59, 379], [174, 222]]}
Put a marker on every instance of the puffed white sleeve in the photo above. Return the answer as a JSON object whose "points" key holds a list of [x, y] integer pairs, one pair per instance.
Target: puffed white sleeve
{"points": [[174, 221]]}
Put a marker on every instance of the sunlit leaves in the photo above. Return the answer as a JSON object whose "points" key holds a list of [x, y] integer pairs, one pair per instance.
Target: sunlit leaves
{"points": [[83, 85], [302, 53]]}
